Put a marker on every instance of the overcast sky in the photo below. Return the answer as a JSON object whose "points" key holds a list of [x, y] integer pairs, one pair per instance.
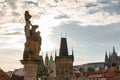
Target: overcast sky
{"points": [[90, 26]]}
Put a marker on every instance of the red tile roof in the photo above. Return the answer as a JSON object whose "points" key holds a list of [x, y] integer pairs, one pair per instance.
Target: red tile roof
{"points": [[110, 74], [3, 75]]}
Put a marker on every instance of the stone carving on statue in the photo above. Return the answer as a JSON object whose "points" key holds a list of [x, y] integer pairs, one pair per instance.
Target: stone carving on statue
{"points": [[33, 40]]}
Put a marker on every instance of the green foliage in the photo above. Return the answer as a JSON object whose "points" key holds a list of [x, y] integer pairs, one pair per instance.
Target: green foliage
{"points": [[90, 69], [81, 69]]}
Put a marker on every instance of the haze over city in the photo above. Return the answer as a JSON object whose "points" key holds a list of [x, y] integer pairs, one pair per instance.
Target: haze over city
{"points": [[90, 26]]}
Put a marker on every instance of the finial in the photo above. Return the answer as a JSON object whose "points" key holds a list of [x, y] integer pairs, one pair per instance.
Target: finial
{"points": [[65, 35]]}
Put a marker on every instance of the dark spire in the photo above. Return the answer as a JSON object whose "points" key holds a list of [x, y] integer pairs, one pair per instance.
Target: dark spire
{"points": [[47, 58], [72, 54], [106, 56], [110, 56], [51, 58], [114, 49], [63, 47]]}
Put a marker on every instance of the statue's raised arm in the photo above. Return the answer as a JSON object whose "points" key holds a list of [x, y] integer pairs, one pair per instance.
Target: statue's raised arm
{"points": [[27, 16], [27, 26]]}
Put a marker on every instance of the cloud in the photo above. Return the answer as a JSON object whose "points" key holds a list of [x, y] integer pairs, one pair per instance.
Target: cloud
{"points": [[9, 62], [91, 4], [107, 6], [91, 29], [12, 3], [13, 33], [62, 17], [112, 8], [1, 13], [104, 1], [11, 51], [15, 13], [90, 32], [89, 40], [11, 29], [31, 2]]}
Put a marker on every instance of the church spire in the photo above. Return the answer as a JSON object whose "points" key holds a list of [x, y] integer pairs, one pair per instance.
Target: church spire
{"points": [[47, 60], [72, 54], [106, 57], [110, 57], [47, 56], [51, 58], [114, 49], [63, 47]]}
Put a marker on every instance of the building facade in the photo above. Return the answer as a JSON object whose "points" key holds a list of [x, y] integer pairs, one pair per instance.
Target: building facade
{"points": [[3, 75], [64, 62], [112, 58], [50, 65], [42, 72]]}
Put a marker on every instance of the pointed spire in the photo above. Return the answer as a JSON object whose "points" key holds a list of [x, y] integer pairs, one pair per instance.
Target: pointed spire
{"points": [[47, 58], [110, 56], [114, 49], [63, 47], [51, 58], [106, 56], [73, 54]]}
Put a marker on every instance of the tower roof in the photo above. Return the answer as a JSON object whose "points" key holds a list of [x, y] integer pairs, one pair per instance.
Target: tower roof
{"points": [[114, 49], [106, 56], [63, 47], [46, 57], [41, 67]]}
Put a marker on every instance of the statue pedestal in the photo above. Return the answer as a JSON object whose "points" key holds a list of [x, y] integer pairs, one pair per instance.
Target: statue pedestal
{"points": [[30, 69]]}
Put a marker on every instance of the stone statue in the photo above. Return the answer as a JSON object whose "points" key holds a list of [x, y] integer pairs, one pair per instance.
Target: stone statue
{"points": [[33, 40]]}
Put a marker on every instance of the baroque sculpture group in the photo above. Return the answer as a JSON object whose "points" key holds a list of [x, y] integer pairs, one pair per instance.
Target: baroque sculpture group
{"points": [[33, 40], [32, 49]]}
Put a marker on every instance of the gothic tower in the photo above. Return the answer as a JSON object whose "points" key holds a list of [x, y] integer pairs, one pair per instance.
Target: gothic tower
{"points": [[106, 57], [47, 62], [114, 56], [64, 62]]}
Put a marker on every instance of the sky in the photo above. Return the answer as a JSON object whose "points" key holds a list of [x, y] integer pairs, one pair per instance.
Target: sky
{"points": [[90, 26]]}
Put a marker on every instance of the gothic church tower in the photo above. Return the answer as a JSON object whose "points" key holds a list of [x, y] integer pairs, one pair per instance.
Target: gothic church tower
{"points": [[64, 62], [47, 62]]}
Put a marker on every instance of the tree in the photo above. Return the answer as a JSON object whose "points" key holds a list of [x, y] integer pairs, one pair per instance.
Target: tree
{"points": [[81, 69], [90, 69]]}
